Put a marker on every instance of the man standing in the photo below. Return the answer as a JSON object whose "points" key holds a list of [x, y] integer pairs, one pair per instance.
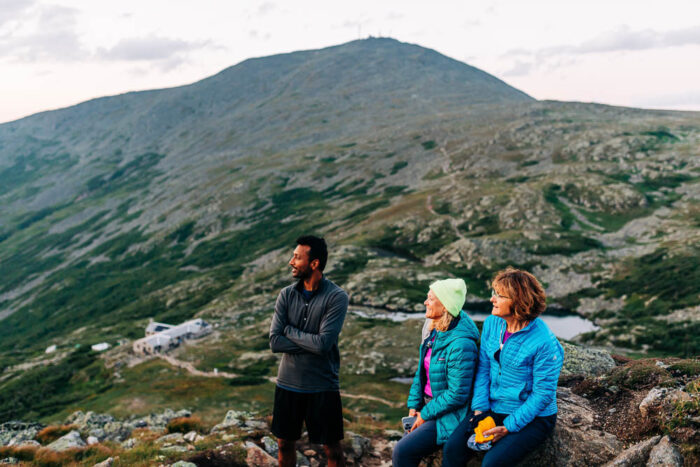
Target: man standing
{"points": [[308, 318]]}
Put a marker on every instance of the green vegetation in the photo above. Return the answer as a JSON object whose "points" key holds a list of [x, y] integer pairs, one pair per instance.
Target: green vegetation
{"points": [[45, 390], [672, 277], [484, 225], [566, 243], [551, 195], [134, 175], [660, 282], [639, 375], [428, 145], [398, 166]]}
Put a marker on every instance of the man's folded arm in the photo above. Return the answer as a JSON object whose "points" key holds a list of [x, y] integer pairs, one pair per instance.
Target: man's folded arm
{"points": [[279, 343], [331, 324]]}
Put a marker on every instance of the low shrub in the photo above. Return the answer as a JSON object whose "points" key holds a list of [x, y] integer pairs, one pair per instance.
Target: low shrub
{"points": [[639, 374], [689, 368], [23, 453], [231, 457], [185, 425]]}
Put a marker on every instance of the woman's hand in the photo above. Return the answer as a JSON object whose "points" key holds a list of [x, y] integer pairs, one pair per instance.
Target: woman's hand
{"points": [[411, 412], [419, 421], [477, 412], [498, 433]]}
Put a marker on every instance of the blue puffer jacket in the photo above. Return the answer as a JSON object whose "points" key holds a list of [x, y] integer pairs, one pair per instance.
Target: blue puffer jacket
{"points": [[524, 383], [452, 367]]}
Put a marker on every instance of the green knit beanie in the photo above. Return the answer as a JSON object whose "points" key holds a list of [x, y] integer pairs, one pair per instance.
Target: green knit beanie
{"points": [[451, 293]]}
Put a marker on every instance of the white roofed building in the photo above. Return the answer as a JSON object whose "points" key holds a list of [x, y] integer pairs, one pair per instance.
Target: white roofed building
{"points": [[162, 337]]}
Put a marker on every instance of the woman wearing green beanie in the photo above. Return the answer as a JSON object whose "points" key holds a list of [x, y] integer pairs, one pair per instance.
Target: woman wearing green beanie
{"points": [[441, 390]]}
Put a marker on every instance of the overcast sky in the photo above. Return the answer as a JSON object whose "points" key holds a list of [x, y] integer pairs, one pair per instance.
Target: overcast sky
{"points": [[634, 53]]}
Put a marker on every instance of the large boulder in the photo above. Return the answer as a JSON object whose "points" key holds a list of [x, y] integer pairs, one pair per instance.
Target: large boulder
{"points": [[575, 441], [587, 361], [68, 441], [665, 454], [634, 455], [257, 456]]}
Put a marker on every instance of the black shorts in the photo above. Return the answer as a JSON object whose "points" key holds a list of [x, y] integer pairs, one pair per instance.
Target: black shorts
{"points": [[322, 412]]}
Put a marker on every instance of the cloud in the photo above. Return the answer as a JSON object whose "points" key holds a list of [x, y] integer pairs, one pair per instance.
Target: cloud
{"points": [[394, 15], [164, 53], [266, 8], [52, 37], [148, 49], [519, 69], [13, 9], [622, 39]]}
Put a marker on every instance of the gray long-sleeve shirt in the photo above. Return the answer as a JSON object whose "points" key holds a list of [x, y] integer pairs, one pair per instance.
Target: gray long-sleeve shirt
{"points": [[307, 334]]}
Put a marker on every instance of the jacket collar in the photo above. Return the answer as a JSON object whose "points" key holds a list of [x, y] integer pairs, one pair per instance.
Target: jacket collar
{"points": [[321, 285]]}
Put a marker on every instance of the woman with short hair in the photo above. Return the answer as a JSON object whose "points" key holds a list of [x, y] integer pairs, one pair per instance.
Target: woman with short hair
{"points": [[519, 364], [441, 389]]}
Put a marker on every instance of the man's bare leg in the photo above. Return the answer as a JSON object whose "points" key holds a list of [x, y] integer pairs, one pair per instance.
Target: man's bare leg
{"points": [[287, 455], [335, 455]]}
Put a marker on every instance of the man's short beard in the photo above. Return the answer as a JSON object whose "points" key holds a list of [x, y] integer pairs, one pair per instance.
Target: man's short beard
{"points": [[303, 274]]}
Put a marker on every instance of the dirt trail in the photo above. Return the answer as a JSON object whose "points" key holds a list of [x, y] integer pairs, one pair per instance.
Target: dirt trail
{"points": [[192, 370]]}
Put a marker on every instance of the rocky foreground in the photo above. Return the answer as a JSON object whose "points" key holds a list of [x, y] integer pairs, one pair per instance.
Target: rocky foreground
{"points": [[615, 412]]}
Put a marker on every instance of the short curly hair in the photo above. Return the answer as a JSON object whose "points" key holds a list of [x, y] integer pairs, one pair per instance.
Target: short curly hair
{"points": [[525, 291]]}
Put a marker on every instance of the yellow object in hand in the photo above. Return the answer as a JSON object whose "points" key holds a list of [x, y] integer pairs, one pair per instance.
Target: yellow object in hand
{"points": [[484, 425]]}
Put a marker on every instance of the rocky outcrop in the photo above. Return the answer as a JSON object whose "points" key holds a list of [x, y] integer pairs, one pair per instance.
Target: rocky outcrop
{"points": [[15, 433], [105, 427], [576, 441], [238, 419], [634, 455], [587, 361], [665, 454]]}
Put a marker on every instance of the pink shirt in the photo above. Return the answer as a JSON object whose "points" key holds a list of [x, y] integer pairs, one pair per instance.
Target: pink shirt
{"points": [[506, 335], [426, 364]]}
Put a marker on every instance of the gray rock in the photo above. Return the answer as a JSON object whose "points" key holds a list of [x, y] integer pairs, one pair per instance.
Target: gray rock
{"points": [[28, 442], [359, 444], [271, 446], [98, 433], [158, 421], [88, 420], [190, 437], [9, 461], [234, 418], [105, 463], [171, 439], [257, 456], [184, 464], [585, 361], [634, 455], [70, 440], [130, 443], [15, 432], [658, 397], [302, 460], [92, 440], [665, 454], [575, 441]]}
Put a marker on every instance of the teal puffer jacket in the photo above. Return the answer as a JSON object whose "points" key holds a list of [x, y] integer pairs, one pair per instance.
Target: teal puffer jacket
{"points": [[523, 381], [452, 367]]}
